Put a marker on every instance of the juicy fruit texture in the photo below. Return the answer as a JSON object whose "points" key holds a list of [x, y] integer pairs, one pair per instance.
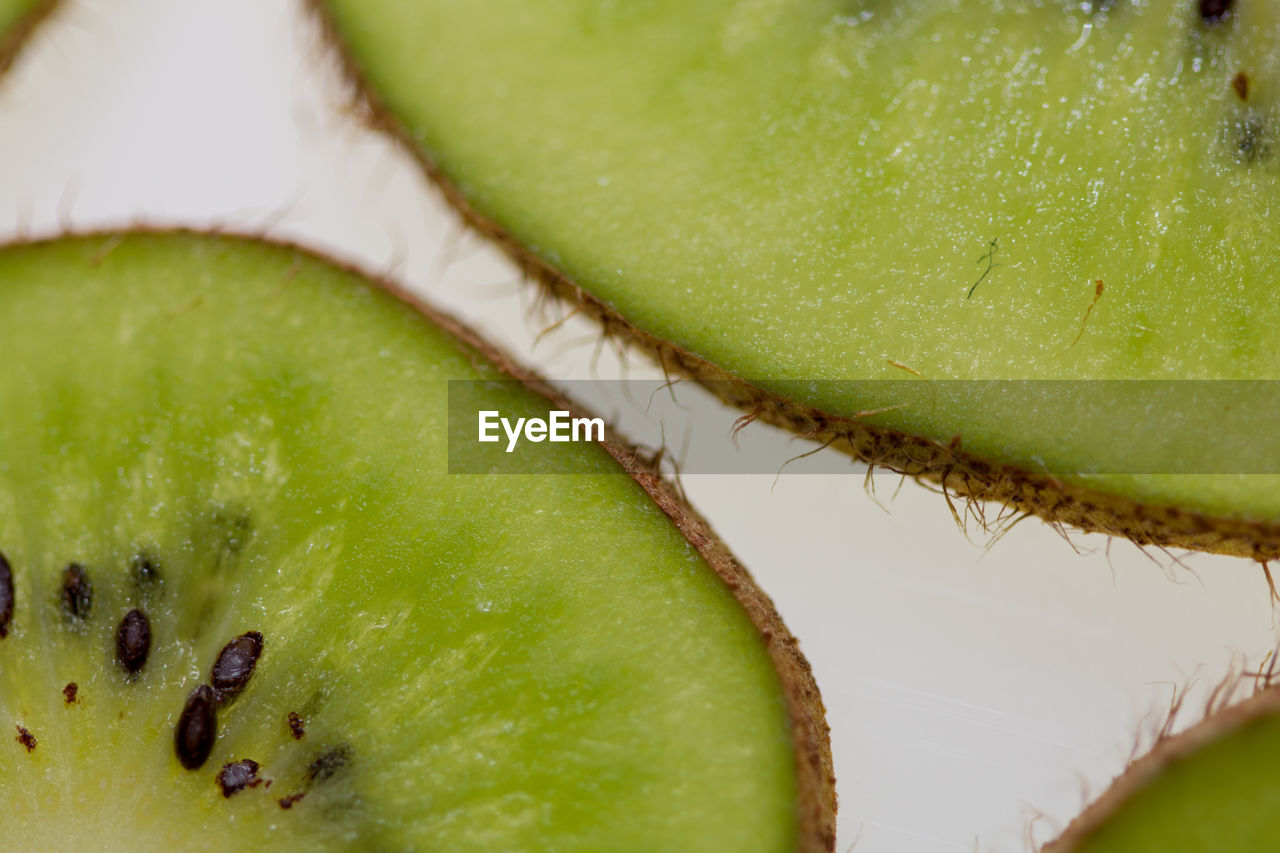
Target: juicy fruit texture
{"points": [[807, 191], [246, 445], [1212, 789]]}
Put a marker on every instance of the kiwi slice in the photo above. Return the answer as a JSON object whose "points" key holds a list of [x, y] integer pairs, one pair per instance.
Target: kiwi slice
{"points": [[826, 204], [245, 604], [18, 18], [1210, 789]]}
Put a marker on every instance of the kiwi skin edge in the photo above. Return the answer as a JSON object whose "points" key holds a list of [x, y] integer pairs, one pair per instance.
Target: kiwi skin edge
{"points": [[810, 734], [959, 474], [11, 42], [1148, 768]]}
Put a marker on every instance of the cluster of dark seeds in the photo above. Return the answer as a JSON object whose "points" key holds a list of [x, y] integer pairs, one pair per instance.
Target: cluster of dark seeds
{"points": [[197, 727], [1246, 135], [235, 776], [133, 636], [133, 639]]}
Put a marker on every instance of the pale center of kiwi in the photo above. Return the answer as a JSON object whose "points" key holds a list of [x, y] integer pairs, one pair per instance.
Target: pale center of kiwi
{"points": [[196, 730]]}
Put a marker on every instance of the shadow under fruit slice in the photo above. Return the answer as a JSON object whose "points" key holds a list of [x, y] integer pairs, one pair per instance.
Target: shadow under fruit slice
{"points": [[248, 446], [1210, 789], [829, 204]]}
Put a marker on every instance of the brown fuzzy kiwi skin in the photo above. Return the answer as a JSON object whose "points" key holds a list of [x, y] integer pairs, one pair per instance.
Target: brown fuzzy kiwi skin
{"points": [[959, 473], [12, 41], [811, 737], [1167, 751]]}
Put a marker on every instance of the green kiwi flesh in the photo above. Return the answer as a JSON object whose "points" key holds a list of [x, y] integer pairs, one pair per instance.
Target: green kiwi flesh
{"points": [[230, 437], [13, 11], [1211, 789], [810, 196]]}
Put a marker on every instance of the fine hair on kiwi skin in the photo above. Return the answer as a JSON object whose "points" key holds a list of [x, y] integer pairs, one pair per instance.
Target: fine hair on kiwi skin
{"points": [[1221, 718], [958, 473], [12, 41], [810, 738]]}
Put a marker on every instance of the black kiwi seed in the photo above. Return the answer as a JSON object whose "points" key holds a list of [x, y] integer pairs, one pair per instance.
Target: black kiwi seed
{"points": [[328, 763], [26, 738], [6, 596], [133, 640], [235, 663], [1213, 11], [197, 728], [297, 727], [235, 776], [70, 691], [77, 592]]}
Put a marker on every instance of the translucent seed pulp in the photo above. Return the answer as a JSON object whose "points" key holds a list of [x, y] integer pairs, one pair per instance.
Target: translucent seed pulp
{"points": [[146, 574], [77, 592], [328, 763]]}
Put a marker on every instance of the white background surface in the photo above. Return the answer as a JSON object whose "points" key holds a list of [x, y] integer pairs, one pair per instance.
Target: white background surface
{"points": [[968, 690]]}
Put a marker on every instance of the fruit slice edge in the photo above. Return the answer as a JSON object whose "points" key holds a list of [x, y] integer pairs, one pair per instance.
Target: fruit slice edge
{"points": [[1234, 511], [1210, 788], [18, 20], [223, 364]]}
